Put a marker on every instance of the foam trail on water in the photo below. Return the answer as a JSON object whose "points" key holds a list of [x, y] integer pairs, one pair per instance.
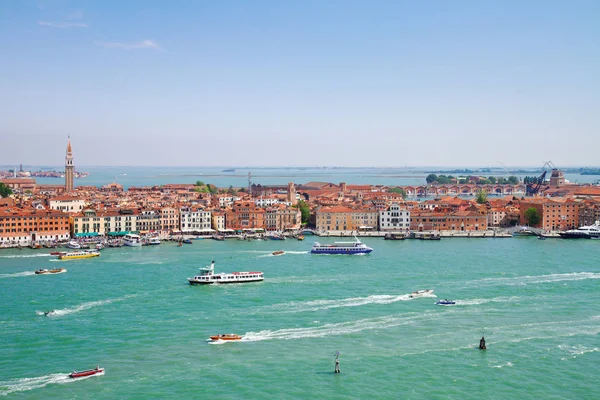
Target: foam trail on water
{"points": [[17, 274], [27, 255], [82, 307], [316, 305], [342, 328], [530, 280], [26, 384], [474, 302]]}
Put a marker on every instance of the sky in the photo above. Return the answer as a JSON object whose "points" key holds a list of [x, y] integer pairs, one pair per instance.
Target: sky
{"points": [[300, 83]]}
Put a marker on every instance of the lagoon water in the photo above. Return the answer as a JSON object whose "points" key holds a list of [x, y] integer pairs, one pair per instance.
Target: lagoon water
{"points": [[133, 312], [150, 176]]}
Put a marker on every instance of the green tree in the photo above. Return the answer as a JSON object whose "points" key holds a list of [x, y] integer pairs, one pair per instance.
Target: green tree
{"points": [[502, 180], [513, 180], [399, 190], [199, 183], [492, 179], [431, 178], [463, 181], [481, 197], [532, 216], [5, 190], [231, 191], [305, 210], [212, 188]]}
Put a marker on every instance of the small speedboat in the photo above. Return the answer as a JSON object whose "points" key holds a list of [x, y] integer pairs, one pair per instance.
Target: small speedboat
{"points": [[421, 293], [278, 252], [541, 237], [187, 241], [58, 253], [50, 271], [87, 372], [227, 336], [445, 302], [300, 237]]}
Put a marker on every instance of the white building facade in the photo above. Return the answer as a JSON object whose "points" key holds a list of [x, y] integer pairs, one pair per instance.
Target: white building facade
{"points": [[394, 218], [194, 219]]}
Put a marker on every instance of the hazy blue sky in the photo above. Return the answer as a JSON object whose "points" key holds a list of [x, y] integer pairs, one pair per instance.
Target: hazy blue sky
{"points": [[352, 83]]}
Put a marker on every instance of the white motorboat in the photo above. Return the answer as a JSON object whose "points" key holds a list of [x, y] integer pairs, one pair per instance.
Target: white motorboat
{"points": [[132, 240], [152, 241], [422, 293], [73, 245], [207, 276], [584, 232]]}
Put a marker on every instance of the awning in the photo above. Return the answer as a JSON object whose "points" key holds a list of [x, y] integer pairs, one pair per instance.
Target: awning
{"points": [[365, 227], [206, 230], [226, 230], [121, 233], [86, 234]]}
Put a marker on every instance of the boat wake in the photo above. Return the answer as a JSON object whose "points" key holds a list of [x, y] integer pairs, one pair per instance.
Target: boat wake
{"points": [[575, 351], [530, 280], [26, 384], [81, 307], [342, 328], [316, 305], [474, 302], [17, 274], [28, 255]]}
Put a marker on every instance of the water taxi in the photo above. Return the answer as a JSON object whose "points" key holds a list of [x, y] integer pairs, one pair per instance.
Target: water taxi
{"points": [[87, 372], [278, 252], [73, 244], [356, 247], [79, 254], [207, 276], [50, 271], [228, 336], [300, 237]]}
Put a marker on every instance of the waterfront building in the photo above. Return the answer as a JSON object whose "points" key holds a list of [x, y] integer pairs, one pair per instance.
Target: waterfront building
{"points": [[557, 213], [218, 220], [245, 215], [148, 221], [282, 217], [342, 218], [24, 226], [68, 204], [589, 212], [169, 219], [455, 221], [394, 218], [194, 219], [266, 201], [105, 222], [69, 168]]}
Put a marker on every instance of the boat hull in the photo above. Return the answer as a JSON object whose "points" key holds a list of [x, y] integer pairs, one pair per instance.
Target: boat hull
{"points": [[69, 257], [577, 236], [216, 282], [83, 374], [341, 251]]}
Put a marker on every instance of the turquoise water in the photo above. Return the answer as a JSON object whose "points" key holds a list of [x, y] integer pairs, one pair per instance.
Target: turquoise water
{"points": [[150, 176], [132, 311]]}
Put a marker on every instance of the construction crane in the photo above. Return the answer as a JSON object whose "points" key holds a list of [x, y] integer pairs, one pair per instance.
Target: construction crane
{"points": [[534, 184]]}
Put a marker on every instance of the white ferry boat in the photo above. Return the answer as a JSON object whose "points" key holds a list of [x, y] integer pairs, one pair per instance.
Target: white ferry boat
{"points": [[356, 247], [583, 232], [73, 245], [132, 240], [207, 276]]}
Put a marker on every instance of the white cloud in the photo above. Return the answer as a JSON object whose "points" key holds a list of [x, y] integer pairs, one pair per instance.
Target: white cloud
{"points": [[145, 44], [63, 24]]}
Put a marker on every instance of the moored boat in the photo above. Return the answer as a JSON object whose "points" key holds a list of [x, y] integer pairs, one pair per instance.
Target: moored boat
{"points": [[583, 232], [79, 254], [356, 247], [207, 276], [50, 271], [87, 372], [300, 237], [394, 236], [73, 245], [132, 240], [187, 241], [227, 336]]}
